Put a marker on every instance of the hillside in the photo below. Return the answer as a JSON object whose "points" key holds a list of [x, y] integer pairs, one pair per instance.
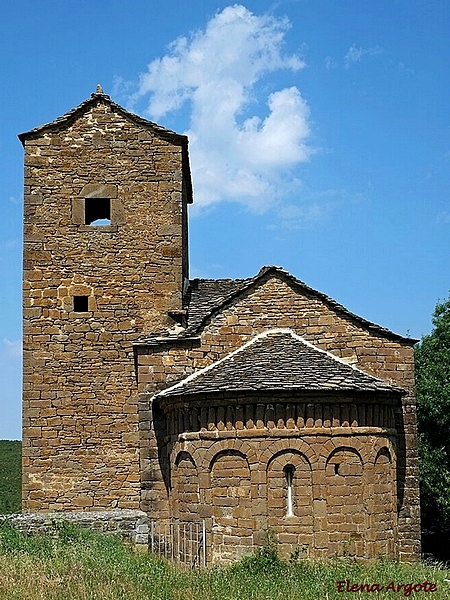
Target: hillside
{"points": [[10, 476]]}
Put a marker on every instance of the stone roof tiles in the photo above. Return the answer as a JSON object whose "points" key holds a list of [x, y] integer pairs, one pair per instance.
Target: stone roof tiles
{"points": [[279, 360], [68, 117], [208, 296]]}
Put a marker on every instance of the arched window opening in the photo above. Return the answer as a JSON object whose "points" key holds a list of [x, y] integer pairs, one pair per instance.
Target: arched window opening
{"points": [[289, 475]]}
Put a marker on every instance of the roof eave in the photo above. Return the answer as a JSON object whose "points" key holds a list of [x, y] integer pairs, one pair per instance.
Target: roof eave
{"points": [[394, 392], [73, 114], [280, 272]]}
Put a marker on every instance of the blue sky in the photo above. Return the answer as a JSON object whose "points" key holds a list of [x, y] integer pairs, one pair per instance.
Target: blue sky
{"points": [[319, 138]]}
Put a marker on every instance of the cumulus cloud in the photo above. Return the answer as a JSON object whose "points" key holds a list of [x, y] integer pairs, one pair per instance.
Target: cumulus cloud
{"points": [[355, 54], [242, 148]]}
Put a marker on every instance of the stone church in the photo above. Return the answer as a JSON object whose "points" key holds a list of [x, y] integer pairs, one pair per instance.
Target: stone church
{"points": [[255, 404]]}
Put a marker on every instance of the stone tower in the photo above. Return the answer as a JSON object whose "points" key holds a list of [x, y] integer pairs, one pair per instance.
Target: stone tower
{"points": [[105, 261]]}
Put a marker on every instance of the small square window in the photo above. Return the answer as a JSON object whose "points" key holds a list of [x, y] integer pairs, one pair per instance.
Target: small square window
{"points": [[80, 303], [97, 211]]}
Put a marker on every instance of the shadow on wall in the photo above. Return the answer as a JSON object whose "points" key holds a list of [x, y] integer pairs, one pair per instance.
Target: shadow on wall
{"points": [[160, 428]]}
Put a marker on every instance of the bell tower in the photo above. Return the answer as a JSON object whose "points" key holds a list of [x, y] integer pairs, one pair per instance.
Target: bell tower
{"points": [[105, 261]]}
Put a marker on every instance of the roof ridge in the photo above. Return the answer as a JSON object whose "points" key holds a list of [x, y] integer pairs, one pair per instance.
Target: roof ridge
{"points": [[203, 370], [71, 114], [259, 336], [246, 283]]}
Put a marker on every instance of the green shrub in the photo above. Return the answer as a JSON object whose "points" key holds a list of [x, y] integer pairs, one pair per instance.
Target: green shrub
{"points": [[13, 541], [432, 363], [264, 559]]}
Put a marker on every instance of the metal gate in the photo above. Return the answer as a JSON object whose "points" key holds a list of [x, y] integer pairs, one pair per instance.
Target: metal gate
{"points": [[180, 541]]}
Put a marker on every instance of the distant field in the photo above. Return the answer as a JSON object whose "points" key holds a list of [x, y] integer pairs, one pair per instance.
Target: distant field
{"points": [[10, 476]]}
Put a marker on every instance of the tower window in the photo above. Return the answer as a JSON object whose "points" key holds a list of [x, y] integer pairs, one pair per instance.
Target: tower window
{"points": [[80, 304], [98, 208], [97, 211], [289, 474]]}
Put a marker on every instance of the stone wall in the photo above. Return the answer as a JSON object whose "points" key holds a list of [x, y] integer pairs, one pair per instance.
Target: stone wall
{"points": [[343, 489], [271, 304], [129, 525], [80, 410]]}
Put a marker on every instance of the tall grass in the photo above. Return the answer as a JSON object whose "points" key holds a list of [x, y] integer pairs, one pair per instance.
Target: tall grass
{"points": [[74, 564]]}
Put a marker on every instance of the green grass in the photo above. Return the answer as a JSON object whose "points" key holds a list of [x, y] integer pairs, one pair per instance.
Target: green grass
{"points": [[74, 564], [10, 476]]}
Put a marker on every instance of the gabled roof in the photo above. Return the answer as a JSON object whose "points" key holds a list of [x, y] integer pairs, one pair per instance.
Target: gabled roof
{"points": [[207, 297], [69, 117], [279, 360]]}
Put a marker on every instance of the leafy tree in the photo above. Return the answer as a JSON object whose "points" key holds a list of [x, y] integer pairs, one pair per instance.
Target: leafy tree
{"points": [[432, 358]]}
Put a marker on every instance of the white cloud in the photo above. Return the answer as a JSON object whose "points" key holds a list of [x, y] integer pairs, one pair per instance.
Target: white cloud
{"points": [[316, 206], [13, 348], [292, 216], [355, 54], [234, 156]]}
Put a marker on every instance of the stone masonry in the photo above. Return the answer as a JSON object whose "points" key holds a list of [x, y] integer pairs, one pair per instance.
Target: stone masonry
{"points": [[130, 525], [256, 404], [373, 430], [81, 434]]}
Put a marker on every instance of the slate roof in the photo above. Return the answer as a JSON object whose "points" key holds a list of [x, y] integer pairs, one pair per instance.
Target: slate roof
{"points": [[206, 297], [279, 360]]}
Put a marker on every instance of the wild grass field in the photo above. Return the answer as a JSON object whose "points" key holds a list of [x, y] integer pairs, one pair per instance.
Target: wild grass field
{"points": [[74, 564]]}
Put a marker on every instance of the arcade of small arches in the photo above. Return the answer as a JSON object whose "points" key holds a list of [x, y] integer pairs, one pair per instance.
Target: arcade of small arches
{"points": [[320, 498]]}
